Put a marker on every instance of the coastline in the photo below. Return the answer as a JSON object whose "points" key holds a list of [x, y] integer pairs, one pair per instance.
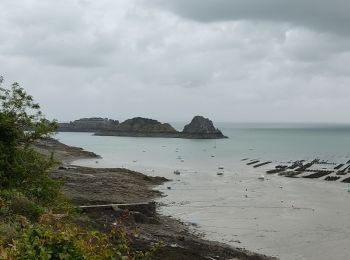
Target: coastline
{"points": [[91, 186], [161, 135]]}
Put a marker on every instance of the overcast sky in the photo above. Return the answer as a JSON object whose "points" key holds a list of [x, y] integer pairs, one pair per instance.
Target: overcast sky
{"points": [[230, 60]]}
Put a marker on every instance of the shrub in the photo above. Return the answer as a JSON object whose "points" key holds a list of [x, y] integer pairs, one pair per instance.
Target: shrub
{"points": [[8, 232], [41, 243], [21, 205], [21, 124]]}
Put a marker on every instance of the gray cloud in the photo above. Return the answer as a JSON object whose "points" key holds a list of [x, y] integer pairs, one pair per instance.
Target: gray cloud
{"points": [[326, 15], [127, 58]]}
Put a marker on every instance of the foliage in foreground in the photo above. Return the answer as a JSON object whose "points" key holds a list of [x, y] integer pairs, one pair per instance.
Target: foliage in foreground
{"points": [[52, 238], [21, 124], [36, 221]]}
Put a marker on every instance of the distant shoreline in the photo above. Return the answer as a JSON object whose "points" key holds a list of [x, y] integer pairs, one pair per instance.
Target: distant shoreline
{"points": [[162, 135]]}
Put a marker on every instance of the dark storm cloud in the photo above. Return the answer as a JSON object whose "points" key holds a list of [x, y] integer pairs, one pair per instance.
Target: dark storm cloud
{"points": [[332, 15]]}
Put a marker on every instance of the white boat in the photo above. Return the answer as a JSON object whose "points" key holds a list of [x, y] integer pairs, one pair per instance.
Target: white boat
{"points": [[177, 172]]}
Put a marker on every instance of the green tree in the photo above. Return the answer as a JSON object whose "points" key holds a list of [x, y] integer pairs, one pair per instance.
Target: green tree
{"points": [[21, 125]]}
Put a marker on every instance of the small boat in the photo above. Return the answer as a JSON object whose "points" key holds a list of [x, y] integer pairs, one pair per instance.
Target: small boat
{"points": [[221, 168], [220, 173], [212, 156], [349, 188], [262, 178], [177, 172], [182, 160]]}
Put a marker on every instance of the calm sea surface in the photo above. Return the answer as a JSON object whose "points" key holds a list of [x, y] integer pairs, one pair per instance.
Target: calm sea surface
{"points": [[235, 208], [265, 142]]}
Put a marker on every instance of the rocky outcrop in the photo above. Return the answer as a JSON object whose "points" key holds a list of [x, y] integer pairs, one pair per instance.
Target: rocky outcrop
{"points": [[141, 127], [93, 124], [145, 125], [201, 127], [61, 152]]}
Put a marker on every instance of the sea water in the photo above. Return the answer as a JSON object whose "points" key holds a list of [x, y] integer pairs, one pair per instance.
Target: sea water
{"points": [[254, 141], [289, 218]]}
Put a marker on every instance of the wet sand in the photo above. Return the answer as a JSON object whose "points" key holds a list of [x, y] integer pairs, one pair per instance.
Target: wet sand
{"points": [[283, 217], [89, 186]]}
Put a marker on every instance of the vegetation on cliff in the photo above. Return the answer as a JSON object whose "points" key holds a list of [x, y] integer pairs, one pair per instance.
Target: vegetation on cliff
{"points": [[36, 221], [92, 124], [139, 124]]}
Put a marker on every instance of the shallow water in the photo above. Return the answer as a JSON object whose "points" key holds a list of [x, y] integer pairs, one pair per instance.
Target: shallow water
{"points": [[290, 218]]}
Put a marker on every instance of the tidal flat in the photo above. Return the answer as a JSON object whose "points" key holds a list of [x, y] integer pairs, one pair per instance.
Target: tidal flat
{"points": [[289, 218]]}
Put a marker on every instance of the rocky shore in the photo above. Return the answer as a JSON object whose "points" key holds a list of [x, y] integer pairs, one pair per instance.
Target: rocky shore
{"points": [[92, 186], [62, 152]]}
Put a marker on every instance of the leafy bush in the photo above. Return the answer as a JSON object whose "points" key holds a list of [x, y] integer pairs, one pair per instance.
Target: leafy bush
{"points": [[18, 204], [8, 232], [53, 239], [41, 243], [21, 124]]}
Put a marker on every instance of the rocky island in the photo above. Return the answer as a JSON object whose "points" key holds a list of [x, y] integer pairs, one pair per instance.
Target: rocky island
{"points": [[201, 128], [92, 124], [139, 126], [198, 128]]}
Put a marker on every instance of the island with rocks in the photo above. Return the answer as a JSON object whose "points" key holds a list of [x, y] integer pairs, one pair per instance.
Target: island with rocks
{"points": [[92, 124], [199, 128], [140, 127]]}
